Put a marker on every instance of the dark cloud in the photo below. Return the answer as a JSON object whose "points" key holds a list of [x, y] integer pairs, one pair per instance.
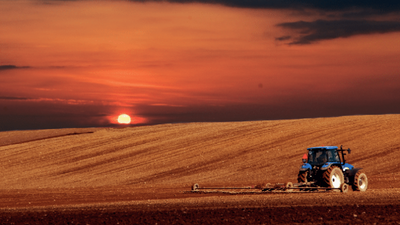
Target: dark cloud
{"points": [[283, 38], [347, 7], [7, 67], [11, 67], [327, 5], [352, 17], [309, 32], [318, 4]]}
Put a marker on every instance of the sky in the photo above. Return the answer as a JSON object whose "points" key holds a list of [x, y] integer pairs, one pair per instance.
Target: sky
{"points": [[82, 63]]}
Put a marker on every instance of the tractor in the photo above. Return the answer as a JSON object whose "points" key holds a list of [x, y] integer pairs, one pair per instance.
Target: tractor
{"points": [[323, 169], [326, 167]]}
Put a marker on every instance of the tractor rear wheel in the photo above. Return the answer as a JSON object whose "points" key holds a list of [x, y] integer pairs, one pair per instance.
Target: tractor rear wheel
{"points": [[360, 181], [333, 177], [302, 177]]}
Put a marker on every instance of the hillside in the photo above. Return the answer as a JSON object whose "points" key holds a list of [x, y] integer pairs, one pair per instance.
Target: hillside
{"points": [[182, 154]]}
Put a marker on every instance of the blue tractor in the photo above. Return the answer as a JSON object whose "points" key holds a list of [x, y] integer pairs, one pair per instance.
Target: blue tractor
{"points": [[326, 167]]}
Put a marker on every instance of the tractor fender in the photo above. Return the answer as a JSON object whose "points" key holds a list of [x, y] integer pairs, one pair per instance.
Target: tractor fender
{"points": [[353, 172], [305, 167], [327, 165], [347, 167]]}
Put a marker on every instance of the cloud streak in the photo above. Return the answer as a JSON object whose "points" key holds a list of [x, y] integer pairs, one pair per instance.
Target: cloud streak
{"points": [[12, 67], [309, 32], [13, 98]]}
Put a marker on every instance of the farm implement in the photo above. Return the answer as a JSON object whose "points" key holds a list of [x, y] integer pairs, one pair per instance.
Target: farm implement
{"points": [[269, 188], [323, 169]]}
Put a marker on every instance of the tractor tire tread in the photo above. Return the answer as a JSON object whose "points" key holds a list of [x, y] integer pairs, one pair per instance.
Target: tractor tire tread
{"points": [[327, 175], [302, 177]]}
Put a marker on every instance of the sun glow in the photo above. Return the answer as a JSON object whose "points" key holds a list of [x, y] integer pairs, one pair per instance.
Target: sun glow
{"points": [[124, 119]]}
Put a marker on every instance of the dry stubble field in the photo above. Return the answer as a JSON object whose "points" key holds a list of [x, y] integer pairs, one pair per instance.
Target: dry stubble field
{"points": [[140, 174]]}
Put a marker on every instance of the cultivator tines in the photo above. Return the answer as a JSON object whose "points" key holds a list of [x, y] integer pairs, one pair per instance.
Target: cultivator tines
{"points": [[226, 190], [258, 189], [268, 188]]}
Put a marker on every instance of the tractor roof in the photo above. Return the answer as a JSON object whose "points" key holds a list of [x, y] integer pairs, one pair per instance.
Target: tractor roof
{"points": [[323, 148]]}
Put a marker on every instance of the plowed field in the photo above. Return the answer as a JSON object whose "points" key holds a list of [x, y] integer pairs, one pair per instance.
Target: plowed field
{"points": [[139, 174]]}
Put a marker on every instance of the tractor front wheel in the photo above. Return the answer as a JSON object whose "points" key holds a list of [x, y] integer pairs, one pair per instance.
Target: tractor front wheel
{"points": [[360, 182], [333, 177]]}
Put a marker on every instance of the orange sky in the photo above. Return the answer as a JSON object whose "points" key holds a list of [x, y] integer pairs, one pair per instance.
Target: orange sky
{"points": [[83, 63]]}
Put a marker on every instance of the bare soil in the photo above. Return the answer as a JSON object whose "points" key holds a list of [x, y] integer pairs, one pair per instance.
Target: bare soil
{"points": [[141, 175]]}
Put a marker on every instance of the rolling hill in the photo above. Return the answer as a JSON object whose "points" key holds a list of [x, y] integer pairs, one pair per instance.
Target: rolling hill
{"points": [[169, 155]]}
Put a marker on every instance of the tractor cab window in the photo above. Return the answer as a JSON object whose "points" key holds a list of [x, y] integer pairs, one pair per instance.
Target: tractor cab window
{"points": [[332, 155], [321, 156], [317, 157]]}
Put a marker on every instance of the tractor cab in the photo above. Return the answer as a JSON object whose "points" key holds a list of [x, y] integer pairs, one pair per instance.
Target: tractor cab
{"points": [[324, 157], [318, 156]]}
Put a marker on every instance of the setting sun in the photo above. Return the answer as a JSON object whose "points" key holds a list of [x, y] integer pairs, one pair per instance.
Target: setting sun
{"points": [[124, 119]]}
